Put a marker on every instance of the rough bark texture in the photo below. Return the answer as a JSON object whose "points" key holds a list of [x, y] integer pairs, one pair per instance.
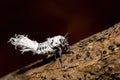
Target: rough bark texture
{"points": [[94, 58]]}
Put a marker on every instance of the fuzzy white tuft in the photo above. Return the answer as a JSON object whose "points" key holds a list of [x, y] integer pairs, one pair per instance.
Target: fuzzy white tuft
{"points": [[24, 43]]}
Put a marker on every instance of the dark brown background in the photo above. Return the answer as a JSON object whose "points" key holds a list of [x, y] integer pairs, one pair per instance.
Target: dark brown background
{"points": [[45, 18]]}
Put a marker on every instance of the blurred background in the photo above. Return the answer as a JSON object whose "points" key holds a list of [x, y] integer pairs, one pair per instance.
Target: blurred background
{"points": [[46, 18]]}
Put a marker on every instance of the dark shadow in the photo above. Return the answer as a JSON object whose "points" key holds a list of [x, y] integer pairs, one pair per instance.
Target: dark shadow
{"points": [[35, 64], [38, 63]]}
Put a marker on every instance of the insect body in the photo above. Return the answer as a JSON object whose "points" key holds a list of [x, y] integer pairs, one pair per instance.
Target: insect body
{"points": [[52, 46]]}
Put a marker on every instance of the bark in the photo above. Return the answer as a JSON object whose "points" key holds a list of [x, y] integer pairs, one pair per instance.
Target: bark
{"points": [[94, 58]]}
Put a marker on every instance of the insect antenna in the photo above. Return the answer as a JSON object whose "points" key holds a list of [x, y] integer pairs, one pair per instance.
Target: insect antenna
{"points": [[66, 35]]}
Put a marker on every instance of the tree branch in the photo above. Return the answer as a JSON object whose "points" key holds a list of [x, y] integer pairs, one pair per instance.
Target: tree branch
{"points": [[94, 58]]}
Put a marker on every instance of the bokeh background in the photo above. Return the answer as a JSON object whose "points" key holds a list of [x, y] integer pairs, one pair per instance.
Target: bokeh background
{"points": [[46, 18]]}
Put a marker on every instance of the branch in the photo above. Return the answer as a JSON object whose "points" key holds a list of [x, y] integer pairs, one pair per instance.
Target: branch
{"points": [[94, 58]]}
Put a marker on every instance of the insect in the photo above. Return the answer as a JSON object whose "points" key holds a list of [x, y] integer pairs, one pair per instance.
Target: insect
{"points": [[51, 47]]}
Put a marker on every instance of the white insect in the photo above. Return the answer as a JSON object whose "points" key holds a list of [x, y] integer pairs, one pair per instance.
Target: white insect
{"points": [[52, 46]]}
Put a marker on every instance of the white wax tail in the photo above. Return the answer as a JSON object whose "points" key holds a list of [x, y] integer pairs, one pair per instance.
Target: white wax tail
{"points": [[24, 43]]}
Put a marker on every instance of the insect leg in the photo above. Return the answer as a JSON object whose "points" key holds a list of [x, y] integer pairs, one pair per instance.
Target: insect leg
{"points": [[60, 54], [55, 57]]}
